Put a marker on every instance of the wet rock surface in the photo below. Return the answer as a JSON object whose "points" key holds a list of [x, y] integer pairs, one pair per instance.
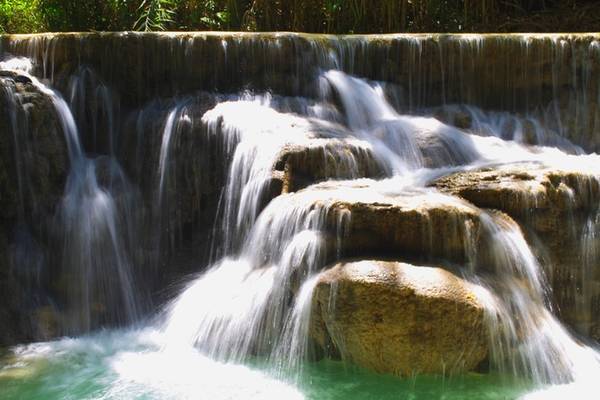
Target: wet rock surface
{"points": [[370, 218], [38, 149], [178, 216], [527, 190], [398, 318], [33, 170], [558, 209], [321, 159]]}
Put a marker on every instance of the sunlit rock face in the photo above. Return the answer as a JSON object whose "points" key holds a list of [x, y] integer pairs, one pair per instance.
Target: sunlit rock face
{"points": [[398, 318], [382, 217], [559, 209], [33, 168], [319, 159]]}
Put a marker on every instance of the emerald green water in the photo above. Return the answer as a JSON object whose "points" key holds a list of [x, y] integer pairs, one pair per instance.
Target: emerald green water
{"points": [[329, 381], [136, 365]]}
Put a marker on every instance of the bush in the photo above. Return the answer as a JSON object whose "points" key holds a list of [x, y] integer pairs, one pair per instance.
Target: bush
{"points": [[21, 16], [327, 16]]}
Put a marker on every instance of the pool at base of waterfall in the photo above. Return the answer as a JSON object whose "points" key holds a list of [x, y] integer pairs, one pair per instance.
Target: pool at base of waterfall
{"points": [[137, 365]]}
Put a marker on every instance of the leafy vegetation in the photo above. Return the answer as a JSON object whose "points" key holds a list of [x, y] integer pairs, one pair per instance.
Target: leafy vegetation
{"points": [[20, 16], [328, 16], [155, 15]]}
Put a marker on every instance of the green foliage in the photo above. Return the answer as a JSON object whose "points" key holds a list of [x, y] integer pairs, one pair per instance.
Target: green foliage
{"points": [[213, 17], [328, 16], [155, 15], [208, 14], [20, 16], [85, 15]]}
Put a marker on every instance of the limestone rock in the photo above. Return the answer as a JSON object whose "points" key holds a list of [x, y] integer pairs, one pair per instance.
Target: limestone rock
{"points": [[33, 170], [321, 159], [368, 217], [526, 190], [398, 318], [36, 154], [559, 211]]}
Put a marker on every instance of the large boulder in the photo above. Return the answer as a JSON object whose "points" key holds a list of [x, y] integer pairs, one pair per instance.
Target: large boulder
{"points": [[397, 318], [559, 211], [320, 159], [385, 218], [529, 192]]}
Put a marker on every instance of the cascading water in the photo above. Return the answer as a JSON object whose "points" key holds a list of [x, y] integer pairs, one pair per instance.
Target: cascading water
{"points": [[95, 108], [92, 228], [525, 336], [295, 176], [254, 146], [95, 227]]}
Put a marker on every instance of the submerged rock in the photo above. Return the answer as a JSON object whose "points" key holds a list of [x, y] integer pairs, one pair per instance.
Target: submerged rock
{"points": [[399, 318]]}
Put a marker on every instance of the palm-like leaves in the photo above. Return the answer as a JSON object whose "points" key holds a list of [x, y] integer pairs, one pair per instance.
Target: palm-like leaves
{"points": [[155, 15]]}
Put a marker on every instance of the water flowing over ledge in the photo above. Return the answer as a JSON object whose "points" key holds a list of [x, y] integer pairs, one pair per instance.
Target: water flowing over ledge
{"points": [[413, 205], [554, 75]]}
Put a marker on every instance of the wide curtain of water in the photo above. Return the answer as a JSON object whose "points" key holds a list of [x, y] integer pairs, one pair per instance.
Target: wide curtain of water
{"points": [[239, 327]]}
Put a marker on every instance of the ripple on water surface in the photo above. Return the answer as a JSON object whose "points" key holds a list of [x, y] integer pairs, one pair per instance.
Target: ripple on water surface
{"points": [[135, 365]]}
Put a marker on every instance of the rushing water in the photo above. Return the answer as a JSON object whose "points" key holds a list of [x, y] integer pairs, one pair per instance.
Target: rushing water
{"points": [[93, 222], [240, 327], [130, 364]]}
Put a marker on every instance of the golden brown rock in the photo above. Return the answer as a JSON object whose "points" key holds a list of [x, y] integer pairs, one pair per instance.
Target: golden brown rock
{"points": [[555, 207], [372, 219], [321, 159], [526, 191], [398, 318]]}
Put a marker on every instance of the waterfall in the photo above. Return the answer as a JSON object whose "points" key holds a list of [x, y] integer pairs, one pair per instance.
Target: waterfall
{"points": [[228, 192], [526, 338], [286, 243], [283, 248], [92, 226]]}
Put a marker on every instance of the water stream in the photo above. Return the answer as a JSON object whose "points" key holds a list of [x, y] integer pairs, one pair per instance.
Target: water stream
{"points": [[239, 326]]}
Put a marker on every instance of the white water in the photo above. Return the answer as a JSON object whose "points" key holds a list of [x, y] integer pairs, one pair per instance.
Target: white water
{"points": [[239, 307], [253, 136], [91, 228], [256, 299], [131, 364], [526, 337]]}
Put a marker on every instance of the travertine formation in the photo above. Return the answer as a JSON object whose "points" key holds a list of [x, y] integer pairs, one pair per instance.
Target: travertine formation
{"points": [[33, 170], [559, 210], [399, 318], [177, 139]]}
